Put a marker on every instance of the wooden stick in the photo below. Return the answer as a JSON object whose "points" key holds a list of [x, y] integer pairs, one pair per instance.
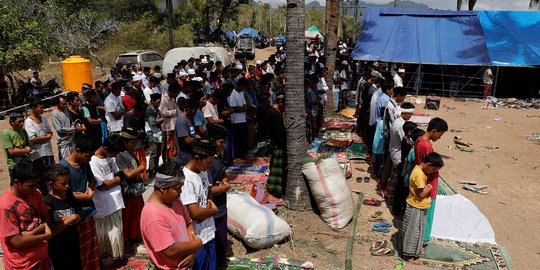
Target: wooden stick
{"points": [[350, 241]]}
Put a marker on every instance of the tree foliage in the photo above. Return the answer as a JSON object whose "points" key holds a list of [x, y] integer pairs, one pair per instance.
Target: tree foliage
{"points": [[24, 40]]}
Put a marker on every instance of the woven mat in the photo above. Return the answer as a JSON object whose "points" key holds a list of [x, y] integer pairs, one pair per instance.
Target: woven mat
{"points": [[268, 264], [450, 254]]}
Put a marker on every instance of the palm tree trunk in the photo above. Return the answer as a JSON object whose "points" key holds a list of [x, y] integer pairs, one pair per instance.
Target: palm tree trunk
{"points": [[330, 50], [171, 23], [471, 4], [296, 189]]}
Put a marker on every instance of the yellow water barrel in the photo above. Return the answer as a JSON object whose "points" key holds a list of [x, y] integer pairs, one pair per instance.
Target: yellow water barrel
{"points": [[76, 71]]}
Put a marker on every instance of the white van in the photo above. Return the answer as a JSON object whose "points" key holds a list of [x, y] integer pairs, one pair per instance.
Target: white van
{"points": [[143, 58], [176, 55]]}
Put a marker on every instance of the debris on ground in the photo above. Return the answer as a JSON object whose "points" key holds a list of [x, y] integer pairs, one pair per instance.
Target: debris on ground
{"points": [[515, 103], [534, 136], [475, 189], [491, 147]]}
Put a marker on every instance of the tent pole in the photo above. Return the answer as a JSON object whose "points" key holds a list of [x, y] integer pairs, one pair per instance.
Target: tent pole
{"points": [[418, 79], [442, 79], [496, 79]]}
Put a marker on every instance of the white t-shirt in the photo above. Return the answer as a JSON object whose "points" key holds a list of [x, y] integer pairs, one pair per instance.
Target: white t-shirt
{"points": [[195, 190], [210, 111], [398, 81], [110, 200], [37, 130], [396, 135], [236, 99], [487, 76], [340, 75], [148, 91], [113, 104], [208, 89]]}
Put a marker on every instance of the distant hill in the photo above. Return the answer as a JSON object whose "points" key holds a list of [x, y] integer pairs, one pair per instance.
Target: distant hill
{"points": [[400, 4]]}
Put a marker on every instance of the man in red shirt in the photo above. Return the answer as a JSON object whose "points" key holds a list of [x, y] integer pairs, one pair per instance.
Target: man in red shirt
{"points": [[435, 130], [24, 228]]}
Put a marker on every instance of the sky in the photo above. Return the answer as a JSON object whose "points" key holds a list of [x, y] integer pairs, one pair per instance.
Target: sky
{"points": [[446, 4]]}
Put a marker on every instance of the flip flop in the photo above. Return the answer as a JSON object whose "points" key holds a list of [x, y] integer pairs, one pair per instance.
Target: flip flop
{"points": [[380, 229], [366, 179], [384, 252], [378, 245], [375, 219], [474, 189], [383, 224]]}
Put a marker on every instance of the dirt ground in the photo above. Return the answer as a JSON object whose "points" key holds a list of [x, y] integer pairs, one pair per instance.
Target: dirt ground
{"points": [[510, 172]]}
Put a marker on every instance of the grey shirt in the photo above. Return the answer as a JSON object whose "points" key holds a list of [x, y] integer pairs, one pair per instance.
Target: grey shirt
{"points": [[63, 127]]}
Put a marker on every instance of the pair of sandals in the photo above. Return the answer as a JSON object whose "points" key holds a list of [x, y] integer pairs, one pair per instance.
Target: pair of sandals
{"points": [[378, 248], [365, 179], [376, 217], [382, 226]]}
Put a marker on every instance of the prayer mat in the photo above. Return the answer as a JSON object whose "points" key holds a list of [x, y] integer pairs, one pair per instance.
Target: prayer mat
{"points": [[245, 169], [357, 150], [348, 112], [421, 119], [268, 264], [445, 188], [137, 262], [261, 161], [450, 254], [247, 178], [339, 125]]}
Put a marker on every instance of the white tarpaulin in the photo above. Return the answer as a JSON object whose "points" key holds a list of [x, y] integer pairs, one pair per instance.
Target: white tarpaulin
{"points": [[457, 218], [184, 53]]}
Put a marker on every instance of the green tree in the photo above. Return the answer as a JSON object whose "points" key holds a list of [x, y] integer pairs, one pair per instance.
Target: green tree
{"points": [[314, 17], [24, 40]]}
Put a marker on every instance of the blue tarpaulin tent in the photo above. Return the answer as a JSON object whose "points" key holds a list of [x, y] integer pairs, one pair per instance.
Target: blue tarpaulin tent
{"points": [[501, 38], [512, 37], [422, 36], [249, 31], [281, 38]]}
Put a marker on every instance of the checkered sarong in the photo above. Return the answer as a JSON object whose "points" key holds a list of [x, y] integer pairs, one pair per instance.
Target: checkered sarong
{"points": [[278, 172]]}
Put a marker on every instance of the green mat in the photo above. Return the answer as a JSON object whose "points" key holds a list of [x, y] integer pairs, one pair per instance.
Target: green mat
{"points": [[445, 188], [450, 254], [268, 264]]}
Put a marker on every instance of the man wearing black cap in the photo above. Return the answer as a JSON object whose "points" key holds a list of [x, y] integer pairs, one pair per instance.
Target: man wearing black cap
{"points": [[15, 142], [195, 197]]}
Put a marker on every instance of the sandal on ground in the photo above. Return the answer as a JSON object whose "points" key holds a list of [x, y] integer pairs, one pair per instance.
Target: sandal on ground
{"points": [[372, 202], [377, 216], [378, 245], [383, 224], [380, 229], [384, 252]]}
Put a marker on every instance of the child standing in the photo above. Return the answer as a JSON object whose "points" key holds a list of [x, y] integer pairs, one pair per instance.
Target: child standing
{"points": [[108, 198], [220, 185], [64, 213], [435, 130], [418, 201], [195, 197], [24, 228]]}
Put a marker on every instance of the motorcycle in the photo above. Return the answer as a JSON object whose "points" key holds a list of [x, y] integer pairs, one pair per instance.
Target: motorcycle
{"points": [[24, 93]]}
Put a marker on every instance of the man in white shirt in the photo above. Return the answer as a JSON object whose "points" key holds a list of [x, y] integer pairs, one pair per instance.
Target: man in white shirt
{"points": [[210, 111], [151, 89], [237, 102], [146, 76], [398, 78], [115, 110], [396, 136]]}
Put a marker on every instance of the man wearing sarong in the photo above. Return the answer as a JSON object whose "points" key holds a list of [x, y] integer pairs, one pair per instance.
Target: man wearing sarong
{"points": [[278, 140]]}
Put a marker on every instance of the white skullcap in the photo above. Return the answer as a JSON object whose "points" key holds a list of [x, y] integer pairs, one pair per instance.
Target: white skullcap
{"points": [[258, 62], [401, 70], [191, 71], [157, 75], [344, 63], [204, 61], [197, 79], [239, 66], [137, 78]]}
